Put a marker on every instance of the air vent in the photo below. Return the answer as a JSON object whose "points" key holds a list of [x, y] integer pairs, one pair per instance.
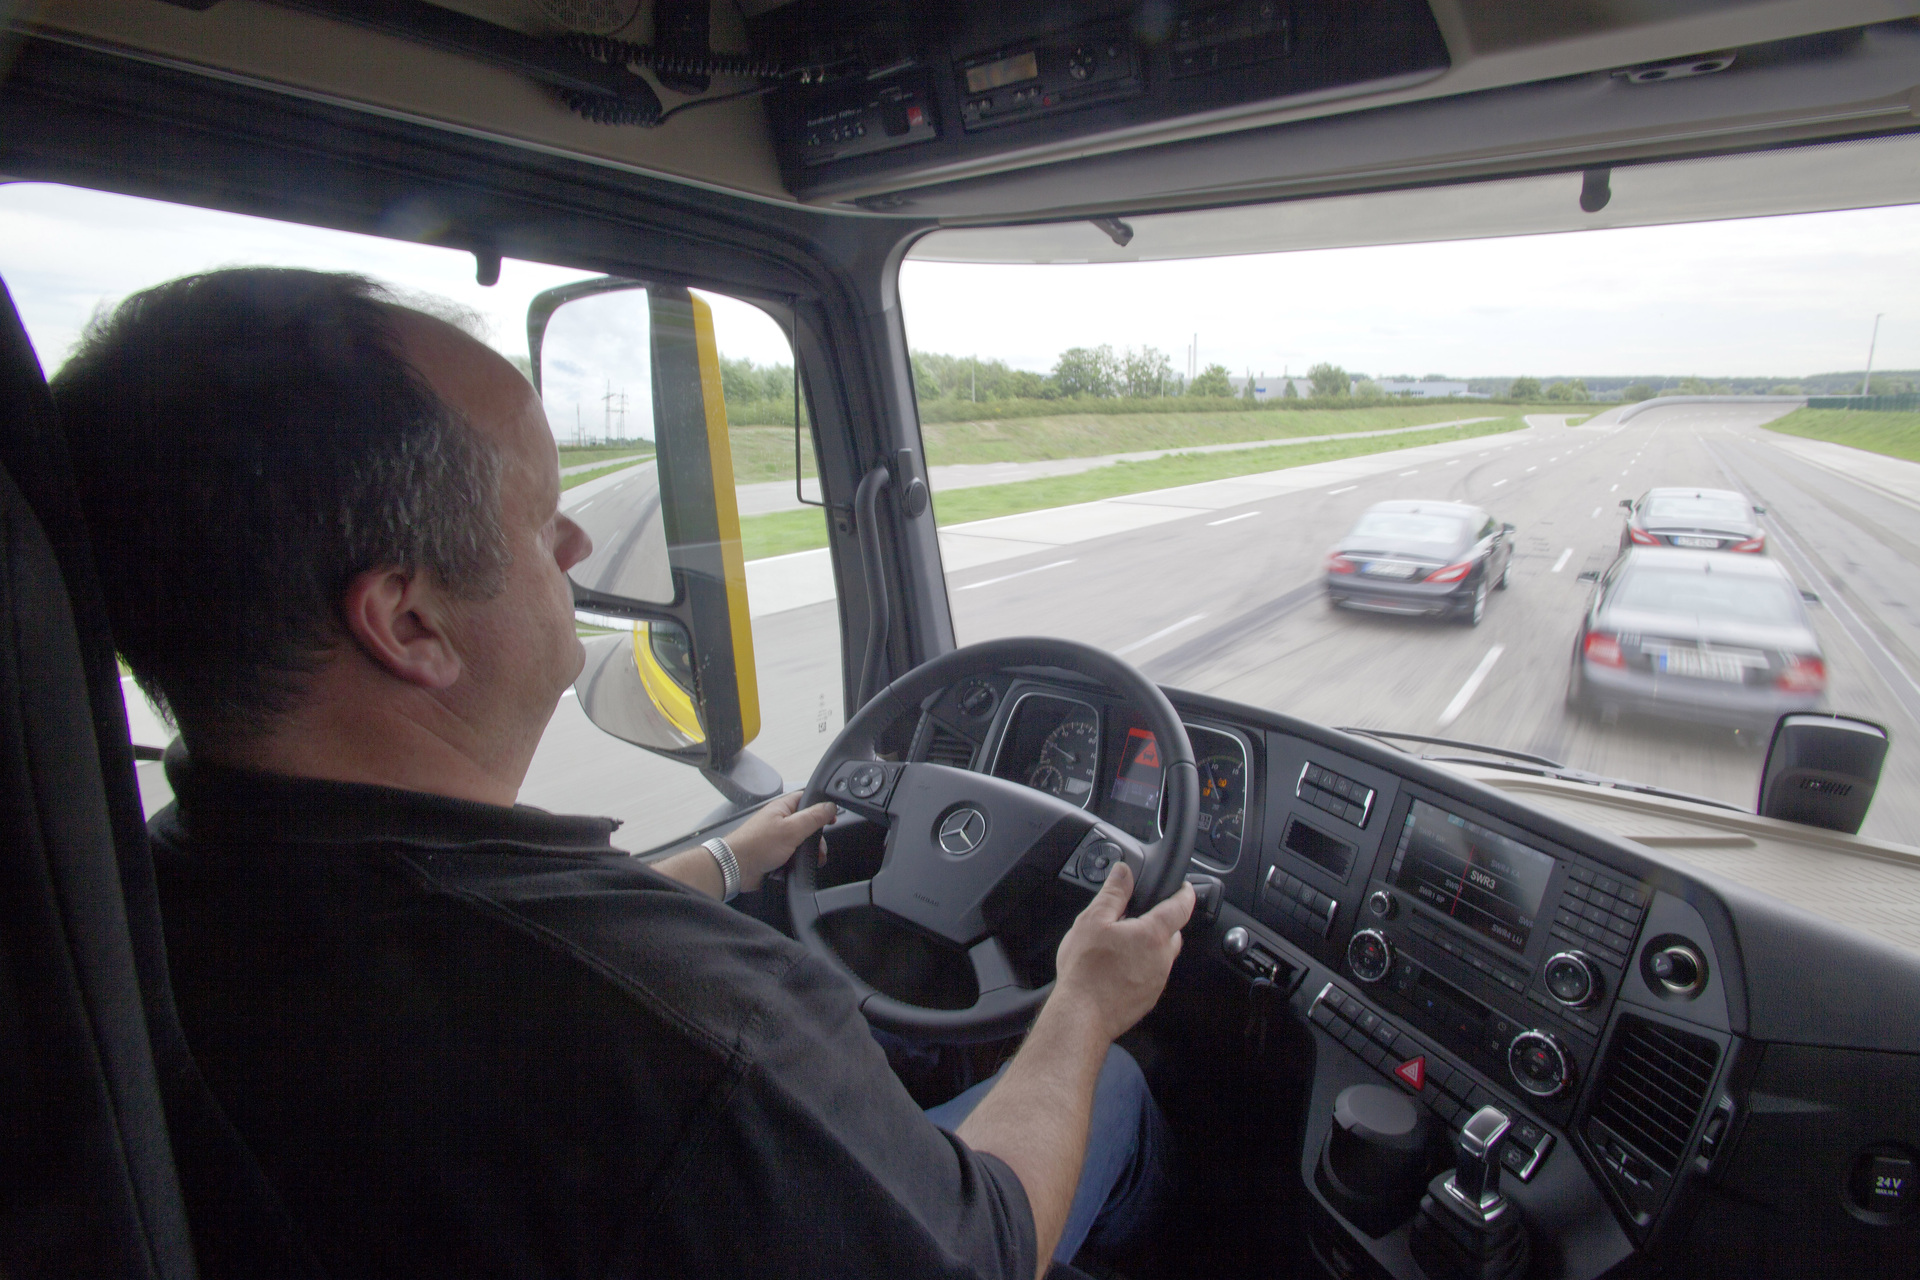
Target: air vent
{"points": [[944, 746], [1652, 1091]]}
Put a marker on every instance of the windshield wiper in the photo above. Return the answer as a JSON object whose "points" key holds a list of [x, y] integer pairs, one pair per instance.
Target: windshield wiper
{"points": [[1523, 762]]}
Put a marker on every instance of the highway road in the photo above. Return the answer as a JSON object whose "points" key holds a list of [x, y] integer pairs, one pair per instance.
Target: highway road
{"points": [[1266, 636], [1227, 600]]}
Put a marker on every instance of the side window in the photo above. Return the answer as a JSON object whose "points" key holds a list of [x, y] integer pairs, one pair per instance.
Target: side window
{"points": [[67, 254], [1490, 528]]}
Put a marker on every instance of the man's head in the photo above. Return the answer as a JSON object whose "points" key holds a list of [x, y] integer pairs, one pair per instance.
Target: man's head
{"points": [[301, 492]]}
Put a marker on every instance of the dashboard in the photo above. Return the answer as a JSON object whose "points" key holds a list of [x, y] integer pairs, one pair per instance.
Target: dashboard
{"points": [[1692, 1070]]}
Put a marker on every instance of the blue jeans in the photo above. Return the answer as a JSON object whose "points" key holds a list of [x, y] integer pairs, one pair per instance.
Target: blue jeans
{"points": [[1125, 1167]]}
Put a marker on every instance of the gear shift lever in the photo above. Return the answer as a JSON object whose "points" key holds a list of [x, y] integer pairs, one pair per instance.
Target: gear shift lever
{"points": [[1467, 1230], [1475, 1183]]}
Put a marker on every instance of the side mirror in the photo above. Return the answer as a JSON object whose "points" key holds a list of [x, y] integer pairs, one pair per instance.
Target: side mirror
{"points": [[1821, 771], [676, 673], [1627, 503], [1587, 575], [1506, 528], [1811, 597], [1759, 511]]}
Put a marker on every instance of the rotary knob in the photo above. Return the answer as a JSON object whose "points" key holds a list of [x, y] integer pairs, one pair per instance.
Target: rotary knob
{"points": [[1679, 969], [1370, 955], [1382, 904], [1572, 979], [1539, 1064]]}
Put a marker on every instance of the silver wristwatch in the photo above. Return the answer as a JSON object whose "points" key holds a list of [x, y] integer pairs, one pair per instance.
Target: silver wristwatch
{"points": [[729, 867]]}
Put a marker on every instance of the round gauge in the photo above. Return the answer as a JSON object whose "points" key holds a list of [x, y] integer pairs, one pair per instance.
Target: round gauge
{"points": [[976, 699], [1223, 798], [1067, 757]]}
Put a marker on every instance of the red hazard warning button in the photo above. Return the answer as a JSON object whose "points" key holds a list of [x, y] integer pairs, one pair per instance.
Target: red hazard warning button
{"points": [[1412, 1073]]}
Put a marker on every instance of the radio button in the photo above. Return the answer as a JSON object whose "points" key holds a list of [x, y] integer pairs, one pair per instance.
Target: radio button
{"points": [[1572, 979]]}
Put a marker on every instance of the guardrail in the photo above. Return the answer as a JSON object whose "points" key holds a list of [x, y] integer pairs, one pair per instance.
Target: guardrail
{"points": [[1877, 404], [1659, 402]]}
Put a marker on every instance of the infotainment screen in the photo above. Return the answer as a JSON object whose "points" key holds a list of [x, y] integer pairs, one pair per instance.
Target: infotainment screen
{"points": [[1487, 882]]}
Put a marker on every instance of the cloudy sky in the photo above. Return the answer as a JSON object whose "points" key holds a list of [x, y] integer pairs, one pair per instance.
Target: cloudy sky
{"points": [[1767, 296]]}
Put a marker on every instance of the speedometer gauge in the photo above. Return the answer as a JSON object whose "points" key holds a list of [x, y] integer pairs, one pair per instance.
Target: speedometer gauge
{"points": [[1223, 798], [1067, 759]]}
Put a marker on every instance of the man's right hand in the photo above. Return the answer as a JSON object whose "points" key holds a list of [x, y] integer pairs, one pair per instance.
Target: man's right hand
{"points": [[1115, 968]]}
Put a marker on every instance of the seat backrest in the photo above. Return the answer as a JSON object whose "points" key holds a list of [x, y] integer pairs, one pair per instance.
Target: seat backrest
{"points": [[115, 1158], [87, 1183]]}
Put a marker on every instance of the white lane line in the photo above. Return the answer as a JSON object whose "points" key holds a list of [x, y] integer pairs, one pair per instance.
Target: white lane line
{"points": [[1247, 515], [1414, 472], [1454, 463], [1349, 489], [1471, 687], [1008, 577], [1612, 487], [1566, 555], [1533, 468], [1161, 634], [1595, 515], [1498, 483]]}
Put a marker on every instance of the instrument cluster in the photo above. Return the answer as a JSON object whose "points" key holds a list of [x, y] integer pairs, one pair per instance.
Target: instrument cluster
{"points": [[1102, 759]]}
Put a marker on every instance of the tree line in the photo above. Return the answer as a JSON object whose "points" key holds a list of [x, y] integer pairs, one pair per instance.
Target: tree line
{"points": [[762, 395]]}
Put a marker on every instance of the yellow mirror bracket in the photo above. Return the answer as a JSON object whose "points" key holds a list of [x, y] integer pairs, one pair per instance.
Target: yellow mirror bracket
{"points": [[727, 516]]}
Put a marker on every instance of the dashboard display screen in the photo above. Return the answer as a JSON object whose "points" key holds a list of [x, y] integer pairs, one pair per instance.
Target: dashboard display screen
{"points": [[1487, 882], [1137, 781], [1021, 66]]}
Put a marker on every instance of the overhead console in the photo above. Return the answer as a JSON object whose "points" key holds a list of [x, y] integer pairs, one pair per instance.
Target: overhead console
{"points": [[919, 92]]}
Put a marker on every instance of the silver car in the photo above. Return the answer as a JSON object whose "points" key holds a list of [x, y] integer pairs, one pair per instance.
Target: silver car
{"points": [[1700, 636]]}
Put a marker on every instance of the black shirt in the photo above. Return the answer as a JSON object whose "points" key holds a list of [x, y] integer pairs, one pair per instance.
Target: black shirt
{"points": [[471, 1040]]}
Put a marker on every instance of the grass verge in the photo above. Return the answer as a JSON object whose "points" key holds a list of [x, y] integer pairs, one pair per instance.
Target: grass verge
{"points": [[1897, 435], [788, 531]]}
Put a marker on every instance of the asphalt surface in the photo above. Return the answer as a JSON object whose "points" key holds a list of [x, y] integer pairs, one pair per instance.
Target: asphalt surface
{"points": [[1229, 602]]}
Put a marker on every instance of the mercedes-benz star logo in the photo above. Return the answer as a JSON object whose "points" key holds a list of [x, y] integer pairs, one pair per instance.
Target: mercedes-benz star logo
{"points": [[963, 831]]}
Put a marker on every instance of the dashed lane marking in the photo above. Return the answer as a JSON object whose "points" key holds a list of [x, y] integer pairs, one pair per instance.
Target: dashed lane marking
{"points": [[1471, 687], [1565, 556], [1245, 515], [1008, 577], [1161, 634], [1348, 489]]}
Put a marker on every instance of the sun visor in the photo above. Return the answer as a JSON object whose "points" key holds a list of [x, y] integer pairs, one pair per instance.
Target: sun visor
{"points": [[1804, 179]]}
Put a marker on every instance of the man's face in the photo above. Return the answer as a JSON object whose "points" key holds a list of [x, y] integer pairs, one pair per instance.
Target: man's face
{"points": [[519, 649]]}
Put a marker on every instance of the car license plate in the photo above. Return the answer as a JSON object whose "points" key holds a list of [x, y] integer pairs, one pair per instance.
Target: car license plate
{"points": [[1391, 569], [1699, 665], [1707, 543]]}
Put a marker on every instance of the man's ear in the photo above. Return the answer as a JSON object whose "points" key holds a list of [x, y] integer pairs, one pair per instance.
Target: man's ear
{"points": [[400, 621]]}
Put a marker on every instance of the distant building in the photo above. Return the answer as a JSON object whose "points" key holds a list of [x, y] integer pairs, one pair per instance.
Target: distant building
{"points": [[1425, 390], [1265, 388]]}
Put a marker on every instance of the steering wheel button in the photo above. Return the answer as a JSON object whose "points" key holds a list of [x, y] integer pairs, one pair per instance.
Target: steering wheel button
{"points": [[865, 782]]}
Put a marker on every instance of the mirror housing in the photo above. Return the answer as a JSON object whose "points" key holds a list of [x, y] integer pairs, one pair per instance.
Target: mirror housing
{"points": [[1822, 770], [1626, 504], [679, 679]]}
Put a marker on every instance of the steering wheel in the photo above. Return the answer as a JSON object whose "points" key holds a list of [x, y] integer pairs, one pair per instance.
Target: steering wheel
{"points": [[963, 849]]}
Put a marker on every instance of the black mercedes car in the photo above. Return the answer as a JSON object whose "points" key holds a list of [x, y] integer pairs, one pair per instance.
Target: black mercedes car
{"points": [[1420, 557], [1697, 519], [1700, 637]]}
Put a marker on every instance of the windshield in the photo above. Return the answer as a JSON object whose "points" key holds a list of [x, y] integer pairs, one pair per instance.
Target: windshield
{"points": [[1157, 457], [1703, 509], [1410, 526], [1719, 596]]}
